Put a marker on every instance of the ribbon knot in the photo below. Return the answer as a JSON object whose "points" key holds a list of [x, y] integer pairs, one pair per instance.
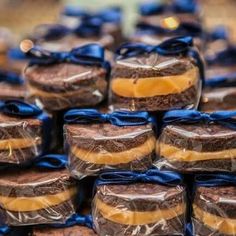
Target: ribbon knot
{"points": [[119, 118]]}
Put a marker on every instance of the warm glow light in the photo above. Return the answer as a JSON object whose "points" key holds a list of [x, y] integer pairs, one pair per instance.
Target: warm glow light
{"points": [[26, 45], [171, 23]]}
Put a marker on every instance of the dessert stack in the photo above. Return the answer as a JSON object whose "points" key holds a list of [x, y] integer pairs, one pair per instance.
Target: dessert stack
{"points": [[148, 126]]}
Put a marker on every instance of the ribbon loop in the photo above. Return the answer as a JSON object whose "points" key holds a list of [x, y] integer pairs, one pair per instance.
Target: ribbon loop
{"points": [[51, 161], [151, 176], [119, 118]]}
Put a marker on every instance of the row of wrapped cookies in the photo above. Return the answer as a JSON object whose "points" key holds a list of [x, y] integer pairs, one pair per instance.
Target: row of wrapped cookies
{"points": [[44, 200], [187, 141]]}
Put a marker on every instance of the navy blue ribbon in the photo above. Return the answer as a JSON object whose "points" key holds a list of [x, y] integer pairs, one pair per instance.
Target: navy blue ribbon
{"points": [[211, 180], [171, 47], [77, 219], [119, 118], [90, 55], [184, 28], [219, 32], [74, 11], [168, 178], [51, 161], [16, 54], [178, 6], [225, 57], [226, 118], [4, 229], [10, 78], [23, 109], [227, 80]]}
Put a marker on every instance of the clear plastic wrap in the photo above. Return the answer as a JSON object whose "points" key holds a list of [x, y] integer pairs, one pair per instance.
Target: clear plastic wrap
{"points": [[214, 211], [153, 82], [92, 148], [139, 209], [21, 139], [35, 196], [197, 147], [65, 85]]}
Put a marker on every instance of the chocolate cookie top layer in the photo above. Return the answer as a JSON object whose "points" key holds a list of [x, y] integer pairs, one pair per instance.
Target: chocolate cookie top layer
{"points": [[70, 231], [34, 182], [63, 77], [111, 137], [8, 91], [141, 197], [220, 200], [151, 65], [199, 137]]}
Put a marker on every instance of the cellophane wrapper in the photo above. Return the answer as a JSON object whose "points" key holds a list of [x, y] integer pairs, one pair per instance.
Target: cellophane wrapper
{"points": [[139, 209], [197, 147], [154, 83], [93, 148], [214, 211]]}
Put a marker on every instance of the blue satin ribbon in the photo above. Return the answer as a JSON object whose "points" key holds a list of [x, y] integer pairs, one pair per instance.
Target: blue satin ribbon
{"points": [[51, 161], [23, 109], [177, 6], [4, 229], [171, 47], [225, 57], [129, 177], [74, 11], [16, 54], [219, 32], [76, 219], [227, 80], [211, 180], [194, 30], [119, 118], [10, 78], [90, 55], [226, 118]]}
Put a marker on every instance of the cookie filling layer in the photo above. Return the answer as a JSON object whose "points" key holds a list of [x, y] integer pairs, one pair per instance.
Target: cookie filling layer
{"points": [[24, 204], [126, 217], [18, 143], [221, 224], [154, 86], [176, 154], [114, 158]]}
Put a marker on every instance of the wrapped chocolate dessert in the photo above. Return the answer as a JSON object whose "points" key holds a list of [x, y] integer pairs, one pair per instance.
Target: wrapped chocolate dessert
{"points": [[61, 80], [110, 17], [192, 141], [214, 208], [157, 78], [97, 141], [25, 132], [129, 203], [41, 194], [11, 86]]}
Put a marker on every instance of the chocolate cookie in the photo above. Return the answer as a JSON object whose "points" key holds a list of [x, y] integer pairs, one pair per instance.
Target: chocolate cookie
{"points": [[65, 85], [9, 91], [197, 147], [153, 82], [70, 231], [95, 147], [214, 211], [20, 139], [139, 209], [33, 196]]}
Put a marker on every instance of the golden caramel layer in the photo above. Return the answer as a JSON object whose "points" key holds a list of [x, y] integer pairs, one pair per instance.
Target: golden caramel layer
{"points": [[18, 143]]}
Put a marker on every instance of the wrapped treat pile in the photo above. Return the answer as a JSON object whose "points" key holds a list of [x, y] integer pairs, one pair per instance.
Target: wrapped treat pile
{"points": [[119, 134]]}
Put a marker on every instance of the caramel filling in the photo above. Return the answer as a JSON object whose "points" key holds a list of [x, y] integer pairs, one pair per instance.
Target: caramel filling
{"points": [[113, 158], [154, 86], [18, 143], [221, 224], [19, 204], [126, 217], [176, 154]]}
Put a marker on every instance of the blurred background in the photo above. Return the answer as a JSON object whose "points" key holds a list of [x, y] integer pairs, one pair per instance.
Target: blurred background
{"points": [[21, 16]]}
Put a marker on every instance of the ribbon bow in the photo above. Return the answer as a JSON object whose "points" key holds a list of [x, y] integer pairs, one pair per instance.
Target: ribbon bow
{"points": [[227, 80], [226, 118], [171, 47], [10, 77], [77, 219], [211, 180], [151, 176], [90, 55], [119, 118]]}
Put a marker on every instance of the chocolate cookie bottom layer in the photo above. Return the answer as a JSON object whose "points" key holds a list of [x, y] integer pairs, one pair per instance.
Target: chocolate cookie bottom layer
{"points": [[53, 214], [81, 168], [188, 98], [174, 226]]}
